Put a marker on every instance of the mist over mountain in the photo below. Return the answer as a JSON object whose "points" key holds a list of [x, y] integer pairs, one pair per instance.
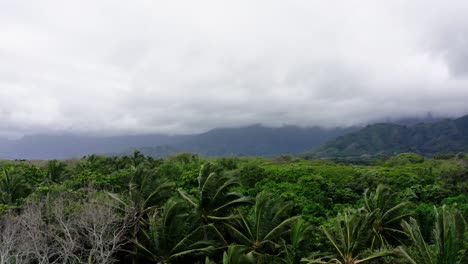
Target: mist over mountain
{"points": [[255, 140], [413, 120], [448, 135], [425, 135], [72, 145], [244, 141]]}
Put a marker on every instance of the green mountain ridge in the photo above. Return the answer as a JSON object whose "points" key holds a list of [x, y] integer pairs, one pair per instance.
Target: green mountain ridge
{"points": [[448, 135], [254, 140]]}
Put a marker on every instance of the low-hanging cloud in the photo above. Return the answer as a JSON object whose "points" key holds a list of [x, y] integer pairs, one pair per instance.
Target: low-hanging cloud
{"points": [[186, 66]]}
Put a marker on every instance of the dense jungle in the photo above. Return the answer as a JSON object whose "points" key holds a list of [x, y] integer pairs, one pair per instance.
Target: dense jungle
{"points": [[190, 209]]}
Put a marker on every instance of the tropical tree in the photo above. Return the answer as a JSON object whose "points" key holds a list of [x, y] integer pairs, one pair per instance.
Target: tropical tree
{"points": [[449, 238], [294, 248], [349, 236], [171, 234], [385, 215], [236, 254], [261, 231], [215, 199], [137, 158], [13, 187], [55, 170], [145, 191]]}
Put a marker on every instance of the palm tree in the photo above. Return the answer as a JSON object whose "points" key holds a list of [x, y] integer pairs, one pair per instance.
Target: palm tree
{"points": [[294, 248], [55, 170], [349, 236], [215, 199], [261, 231], [449, 234], [236, 254], [12, 187], [137, 158], [171, 235], [385, 215], [146, 192]]}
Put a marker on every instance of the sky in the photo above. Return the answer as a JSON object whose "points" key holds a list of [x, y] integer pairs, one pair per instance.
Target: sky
{"points": [[154, 66]]}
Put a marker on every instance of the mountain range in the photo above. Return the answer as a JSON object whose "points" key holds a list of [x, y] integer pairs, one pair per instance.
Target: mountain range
{"points": [[254, 140], [444, 136], [381, 139]]}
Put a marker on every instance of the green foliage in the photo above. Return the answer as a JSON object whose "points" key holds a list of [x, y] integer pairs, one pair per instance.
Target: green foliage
{"points": [[260, 230], [13, 186], [215, 200], [381, 140], [55, 171], [444, 156], [296, 245], [230, 163], [385, 214], [404, 159], [251, 174], [185, 209], [461, 201], [449, 239], [348, 235], [169, 235], [236, 254]]}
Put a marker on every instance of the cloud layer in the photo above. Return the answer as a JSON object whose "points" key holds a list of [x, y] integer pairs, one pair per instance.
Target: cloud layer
{"points": [[142, 66]]}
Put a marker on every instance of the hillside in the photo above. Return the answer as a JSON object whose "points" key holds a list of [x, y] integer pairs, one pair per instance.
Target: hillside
{"points": [[448, 135], [255, 140], [245, 141]]}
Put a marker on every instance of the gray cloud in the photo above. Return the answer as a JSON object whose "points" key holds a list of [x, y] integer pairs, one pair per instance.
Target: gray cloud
{"points": [[188, 66]]}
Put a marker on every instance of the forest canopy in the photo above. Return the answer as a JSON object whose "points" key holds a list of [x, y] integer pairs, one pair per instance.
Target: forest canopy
{"points": [[189, 209]]}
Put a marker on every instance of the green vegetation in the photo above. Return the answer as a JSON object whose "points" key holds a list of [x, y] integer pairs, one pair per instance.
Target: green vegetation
{"points": [[186, 209], [440, 139]]}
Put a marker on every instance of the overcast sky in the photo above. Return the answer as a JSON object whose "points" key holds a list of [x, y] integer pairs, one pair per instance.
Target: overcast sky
{"points": [[140, 66]]}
